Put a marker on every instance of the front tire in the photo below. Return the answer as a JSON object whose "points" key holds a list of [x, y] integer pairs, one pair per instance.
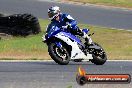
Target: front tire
{"points": [[54, 53]]}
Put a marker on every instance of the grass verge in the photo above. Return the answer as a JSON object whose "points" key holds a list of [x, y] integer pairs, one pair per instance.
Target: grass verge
{"points": [[117, 44], [117, 3]]}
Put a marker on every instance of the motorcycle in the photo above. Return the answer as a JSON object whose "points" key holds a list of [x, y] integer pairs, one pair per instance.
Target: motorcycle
{"points": [[64, 47]]}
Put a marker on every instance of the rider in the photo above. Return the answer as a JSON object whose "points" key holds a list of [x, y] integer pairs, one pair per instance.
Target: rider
{"points": [[65, 21]]}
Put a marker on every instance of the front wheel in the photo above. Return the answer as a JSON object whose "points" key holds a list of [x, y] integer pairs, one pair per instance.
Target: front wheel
{"points": [[59, 54], [99, 55]]}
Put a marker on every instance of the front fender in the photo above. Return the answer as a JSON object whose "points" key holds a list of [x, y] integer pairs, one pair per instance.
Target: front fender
{"points": [[76, 52]]}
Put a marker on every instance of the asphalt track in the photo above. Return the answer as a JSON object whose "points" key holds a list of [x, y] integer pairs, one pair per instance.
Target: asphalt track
{"points": [[48, 74], [108, 17]]}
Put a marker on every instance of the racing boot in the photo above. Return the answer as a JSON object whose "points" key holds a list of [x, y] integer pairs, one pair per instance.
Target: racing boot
{"points": [[88, 40]]}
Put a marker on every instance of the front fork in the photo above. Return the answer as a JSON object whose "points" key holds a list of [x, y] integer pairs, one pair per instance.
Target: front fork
{"points": [[59, 45]]}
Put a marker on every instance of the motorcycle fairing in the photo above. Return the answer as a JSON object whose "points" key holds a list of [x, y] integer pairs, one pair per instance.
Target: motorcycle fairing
{"points": [[76, 53]]}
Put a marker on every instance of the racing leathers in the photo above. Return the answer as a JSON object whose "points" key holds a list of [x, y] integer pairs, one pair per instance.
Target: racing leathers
{"points": [[67, 22]]}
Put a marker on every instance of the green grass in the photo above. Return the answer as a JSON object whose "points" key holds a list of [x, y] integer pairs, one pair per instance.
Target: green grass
{"points": [[69, 87], [117, 44], [120, 3]]}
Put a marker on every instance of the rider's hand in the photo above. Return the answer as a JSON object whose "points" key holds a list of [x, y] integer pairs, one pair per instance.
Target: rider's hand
{"points": [[67, 26], [64, 27]]}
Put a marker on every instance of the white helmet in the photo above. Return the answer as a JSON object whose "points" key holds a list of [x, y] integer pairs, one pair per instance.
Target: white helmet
{"points": [[53, 12]]}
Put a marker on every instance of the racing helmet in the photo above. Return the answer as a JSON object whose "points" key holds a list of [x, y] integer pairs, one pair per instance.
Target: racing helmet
{"points": [[53, 12]]}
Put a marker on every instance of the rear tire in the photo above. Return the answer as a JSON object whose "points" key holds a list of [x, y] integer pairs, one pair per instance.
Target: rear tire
{"points": [[52, 52], [97, 59]]}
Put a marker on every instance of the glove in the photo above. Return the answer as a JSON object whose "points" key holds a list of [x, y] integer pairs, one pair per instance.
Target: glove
{"points": [[68, 26], [64, 27]]}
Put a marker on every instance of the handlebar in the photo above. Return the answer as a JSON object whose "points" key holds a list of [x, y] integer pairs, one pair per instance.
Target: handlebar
{"points": [[91, 34]]}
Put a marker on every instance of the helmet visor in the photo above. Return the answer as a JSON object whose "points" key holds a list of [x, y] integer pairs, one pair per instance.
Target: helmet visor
{"points": [[50, 15], [53, 15]]}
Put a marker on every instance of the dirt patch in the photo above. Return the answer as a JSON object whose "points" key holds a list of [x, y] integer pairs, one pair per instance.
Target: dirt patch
{"points": [[5, 36], [24, 56]]}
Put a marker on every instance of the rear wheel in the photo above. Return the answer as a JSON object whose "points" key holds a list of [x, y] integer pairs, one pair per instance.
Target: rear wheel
{"points": [[99, 55], [59, 54]]}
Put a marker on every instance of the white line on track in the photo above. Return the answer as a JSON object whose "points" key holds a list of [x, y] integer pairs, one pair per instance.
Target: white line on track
{"points": [[26, 60], [53, 61], [109, 28], [120, 60]]}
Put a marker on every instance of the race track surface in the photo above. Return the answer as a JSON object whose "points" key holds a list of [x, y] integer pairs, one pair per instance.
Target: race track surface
{"points": [[51, 75]]}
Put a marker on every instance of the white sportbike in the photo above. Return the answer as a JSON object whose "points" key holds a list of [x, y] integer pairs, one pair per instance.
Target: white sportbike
{"points": [[64, 47]]}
